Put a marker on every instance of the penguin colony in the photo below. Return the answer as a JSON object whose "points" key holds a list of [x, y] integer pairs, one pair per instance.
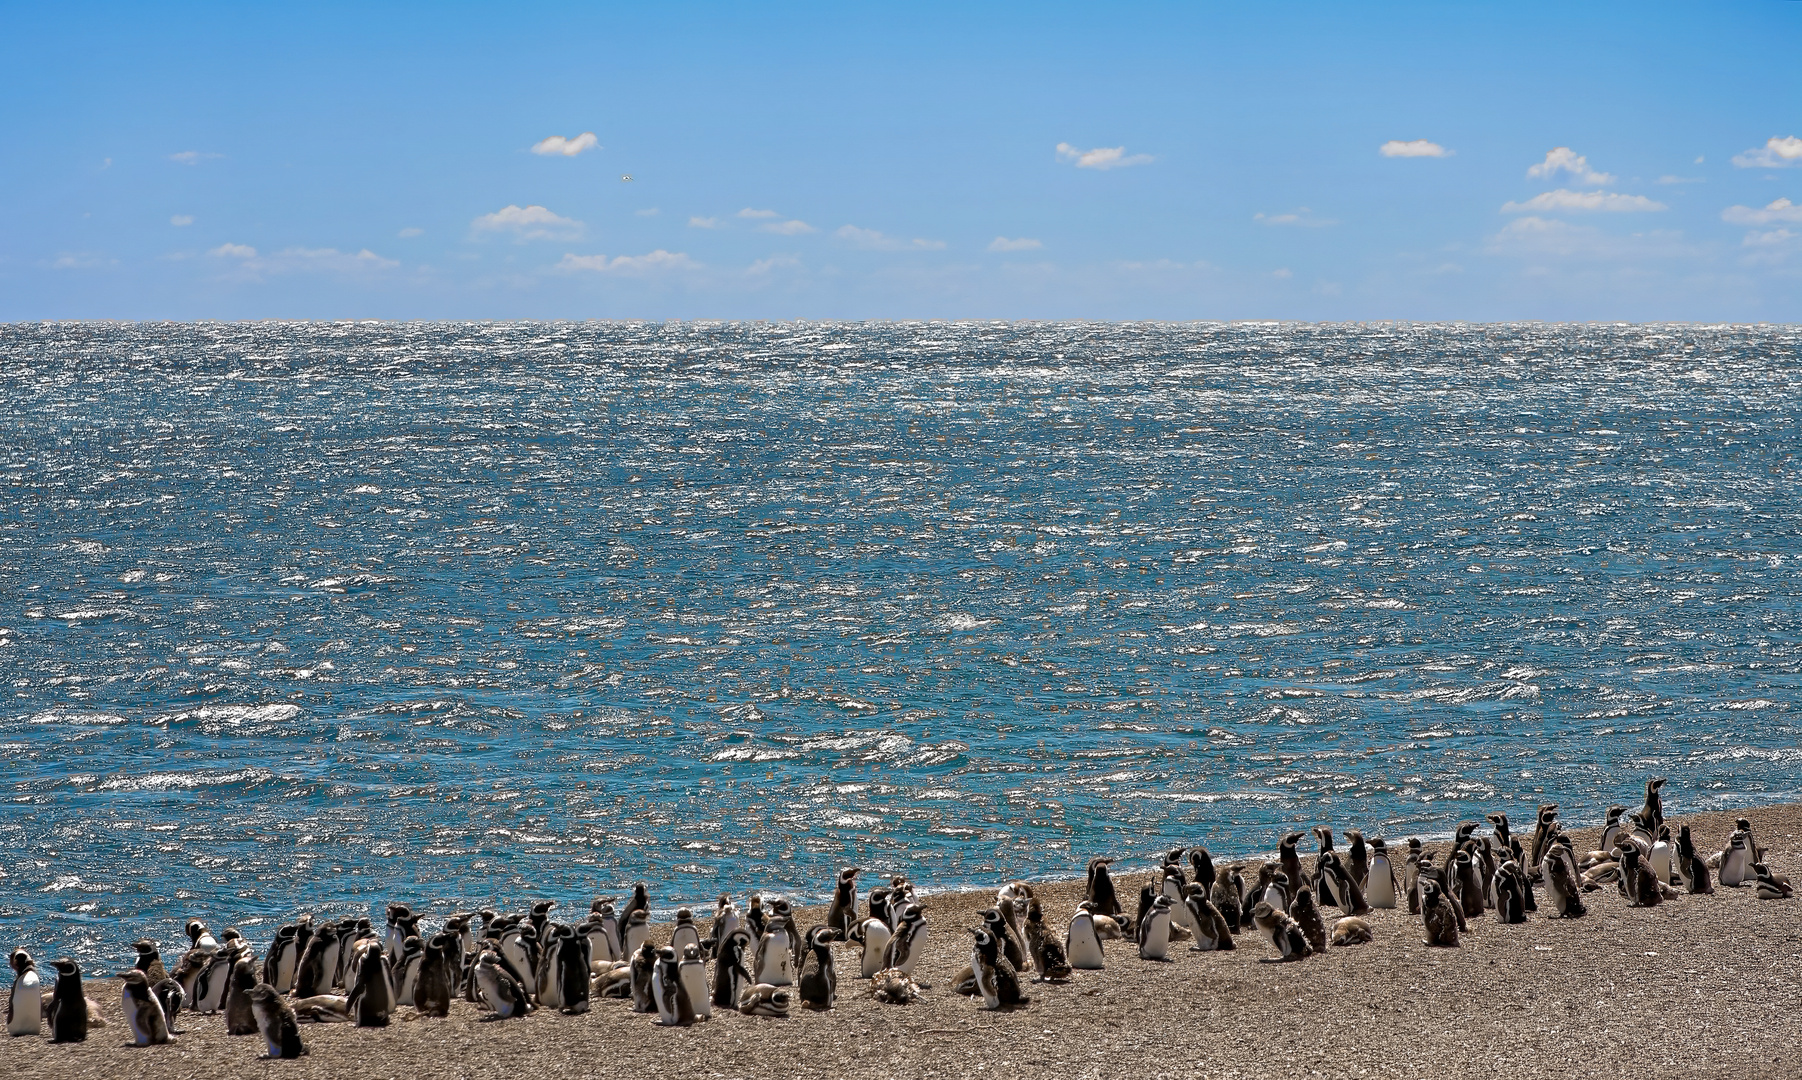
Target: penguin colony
{"points": [[757, 961]]}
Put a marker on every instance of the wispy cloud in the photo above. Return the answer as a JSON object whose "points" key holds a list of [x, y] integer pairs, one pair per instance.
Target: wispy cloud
{"points": [[1771, 247], [186, 157], [1565, 199], [871, 240], [558, 146], [1776, 153], [1769, 214], [308, 260], [410, 231], [659, 261], [703, 223], [234, 251], [1002, 243], [1671, 178], [1537, 237], [1564, 159], [528, 223], [1412, 148], [1101, 157], [649, 211], [82, 260], [1301, 216], [747, 212], [182, 220], [786, 228]]}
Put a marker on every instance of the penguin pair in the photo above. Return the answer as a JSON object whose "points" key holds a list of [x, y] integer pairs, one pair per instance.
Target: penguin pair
{"points": [[819, 979], [679, 986], [909, 940], [997, 979], [143, 1012], [501, 993], [1280, 931]]}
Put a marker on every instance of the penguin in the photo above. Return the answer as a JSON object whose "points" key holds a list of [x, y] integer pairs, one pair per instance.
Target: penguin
{"points": [[1736, 861], [600, 943], [905, 946], [1467, 884], [150, 962], [406, 971], [1228, 900], [875, 934], [608, 934], [1611, 829], [842, 915], [1012, 950], [1290, 864], [1146, 895], [310, 974], [613, 979], [644, 965], [143, 1012], [1771, 886], [540, 916], [997, 980], [893, 987], [1637, 881], [1651, 812], [25, 1004], [641, 901], [1441, 918], [763, 999], [731, 975], [756, 919], [1510, 905], [691, 973], [674, 1009], [281, 952], [574, 962], [782, 917], [1171, 885], [1337, 881], [402, 924], [1013, 913], [1211, 931], [775, 960], [239, 1020], [202, 938], [1357, 859], [685, 932], [518, 954], [435, 977], [1280, 931], [1691, 867], [1745, 825], [1307, 916], [1379, 884], [1100, 893], [1663, 855], [547, 985], [1081, 943], [725, 920], [1049, 961], [1352, 930], [276, 1023], [68, 1012], [210, 978], [372, 991], [497, 988], [1201, 865], [1542, 838], [1276, 893], [819, 980], [1154, 930], [634, 929], [1411, 875]]}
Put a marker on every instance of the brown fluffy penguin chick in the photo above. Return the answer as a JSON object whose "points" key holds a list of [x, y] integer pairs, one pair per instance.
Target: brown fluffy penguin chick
{"points": [[1440, 917], [1307, 916], [892, 986], [1352, 931], [1048, 957]]}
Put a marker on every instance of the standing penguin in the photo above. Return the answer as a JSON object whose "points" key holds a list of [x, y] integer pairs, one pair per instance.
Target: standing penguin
{"points": [[25, 1005], [998, 981], [1542, 838], [1307, 916], [1289, 862], [905, 947], [1510, 905], [1379, 884], [1048, 958], [432, 987], [402, 924], [143, 1012], [1280, 931], [1228, 899], [406, 972], [725, 920], [1211, 931], [691, 972], [1357, 858], [634, 929], [372, 990], [674, 1009], [775, 959], [731, 975], [1154, 930], [875, 932], [68, 1004], [1081, 943], [1651, 812], [842, 915], [1561, 882], [1101, 892], [1611, 830], [498, 989], [644, 968], [1737, 860], [201, 937], [1441, 917], [641, 901], [1172, 885], [276, 1023], [239, 1020], [819, 981], [1692, 869], [278, 965], [685, 932], [312, 976]]}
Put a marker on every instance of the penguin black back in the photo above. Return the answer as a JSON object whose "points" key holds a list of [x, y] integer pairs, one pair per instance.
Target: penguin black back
{"points": [[68, 1004]]}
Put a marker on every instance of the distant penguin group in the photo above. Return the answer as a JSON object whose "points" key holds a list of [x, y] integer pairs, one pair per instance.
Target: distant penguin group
{"points": [[758, 962]]}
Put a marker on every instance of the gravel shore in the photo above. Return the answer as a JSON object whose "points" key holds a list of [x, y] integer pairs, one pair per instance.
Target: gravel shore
{"points": [[1702, 986]]}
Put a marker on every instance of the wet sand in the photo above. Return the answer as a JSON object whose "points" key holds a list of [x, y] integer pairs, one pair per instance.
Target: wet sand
{"points": [[1706, 986]]}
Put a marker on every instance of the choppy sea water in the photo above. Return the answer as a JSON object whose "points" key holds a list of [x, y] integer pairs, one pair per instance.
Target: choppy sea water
{"points": [[312, 616]]}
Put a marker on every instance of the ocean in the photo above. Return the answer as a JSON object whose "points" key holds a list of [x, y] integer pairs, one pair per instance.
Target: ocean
{"points": [[312, 616]]}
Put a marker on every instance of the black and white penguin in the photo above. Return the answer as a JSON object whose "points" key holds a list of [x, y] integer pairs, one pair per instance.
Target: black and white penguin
{"points": [[842, 915], [685, 932], [875, 931], [1563, 887], [402, 924], [1307, 916], [239, 1020], [644, 966], [281, 958], [1228, 898], [1737, 860], [1379, 884], [691, 973], [312, 975], [143, 1012], [725, 920], [1651, 811], [1771, 886], [1280, 931], [609, 945], [1171, 885], [1662, 858], [763, 999], [1289, 863], [1082, 944], [276, 1023], [1543, 825], [575, 961], [640, 901], [775, 957], [1611, 829], [1211, 931], [372, 988], [997, 924], [1201, 869], [498, 989], [819, 980], [1278, 890], [674, 1009], [731, 973], [1441, 917], [1357, 858], [1510, 905], [997, 980], [209, 978], [1692, 868], [25, 1003], [68, 1013], [1100, 892], [1049, 961], [1337, 886], [1154, 930], [406, 970], [1641, 886], [437, 975], [1467, 884], [909, 939], [201, 937], [634, 929], [547, 983], [756, 918]]}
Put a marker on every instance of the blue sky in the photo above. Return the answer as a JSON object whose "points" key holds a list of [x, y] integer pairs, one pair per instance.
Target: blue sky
{"points": [[1172, 161]]}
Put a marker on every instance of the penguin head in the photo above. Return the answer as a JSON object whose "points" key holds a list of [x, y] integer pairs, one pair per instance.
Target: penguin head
{"points": [[848, 875], [134, 979], [263, 994], [397, 912], [542, 908], [21, 961], [194, 929], [66, 967]]}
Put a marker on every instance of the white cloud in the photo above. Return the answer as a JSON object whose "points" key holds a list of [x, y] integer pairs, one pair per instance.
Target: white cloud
{"points": [[559, 146], [1780, 210], [528, 223], [647, 212], [410, 231], [1771, 247], [1564, 159], [871, 240], [628, 265], [82, 260], [234, 251], [747, 212], [1671, 178], [1301, 216], [764, 267], [1283, 274], [181, 220], [703, 223], [1776, 153], [329, 260], [1536, 237], [1415, 148], [1002, 243], [1102, 157], [787, 228], [186, 157], [1565, 199]]}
